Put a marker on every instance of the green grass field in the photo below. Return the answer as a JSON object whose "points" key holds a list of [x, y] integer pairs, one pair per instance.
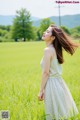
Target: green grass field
{"points": [[20, 78]]}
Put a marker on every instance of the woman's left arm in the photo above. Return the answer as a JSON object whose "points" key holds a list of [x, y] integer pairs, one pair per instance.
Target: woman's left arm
{"points": [[45, 73]]}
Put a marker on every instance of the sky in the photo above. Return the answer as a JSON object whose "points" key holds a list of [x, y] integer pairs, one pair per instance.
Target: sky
{"points": [[39, 8]]}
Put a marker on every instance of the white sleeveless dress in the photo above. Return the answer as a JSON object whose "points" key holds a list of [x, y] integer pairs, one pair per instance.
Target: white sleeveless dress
{"points": [[58, 101]]}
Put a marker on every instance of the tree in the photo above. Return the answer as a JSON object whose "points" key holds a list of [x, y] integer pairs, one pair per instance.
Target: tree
{"points": [[75, 32], [3, 32], [3, 27], [44, 25], [22, 25], [75, 29], [66, 30]]}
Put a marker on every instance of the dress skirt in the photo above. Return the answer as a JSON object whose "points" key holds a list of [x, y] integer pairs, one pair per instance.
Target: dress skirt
{"points": [[58, 101]]}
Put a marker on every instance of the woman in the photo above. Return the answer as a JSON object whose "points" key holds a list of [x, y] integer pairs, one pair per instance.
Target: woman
{"points": [[58, 101]]}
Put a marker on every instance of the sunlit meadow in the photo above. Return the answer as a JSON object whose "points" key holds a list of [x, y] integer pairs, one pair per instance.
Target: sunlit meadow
{"points": [[20, 78]]}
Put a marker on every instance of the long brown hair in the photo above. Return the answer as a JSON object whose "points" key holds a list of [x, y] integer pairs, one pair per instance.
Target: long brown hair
{"points": [[62, 41]]}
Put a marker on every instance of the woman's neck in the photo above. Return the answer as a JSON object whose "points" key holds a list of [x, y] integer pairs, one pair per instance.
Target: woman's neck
{"points": [[48, 44]]}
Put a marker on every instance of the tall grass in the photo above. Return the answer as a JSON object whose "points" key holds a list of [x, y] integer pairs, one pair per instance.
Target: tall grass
{"points": [[20, 78]]}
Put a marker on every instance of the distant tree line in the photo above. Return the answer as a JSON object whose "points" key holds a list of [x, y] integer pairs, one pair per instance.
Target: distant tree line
{"points": [[23, 30]]}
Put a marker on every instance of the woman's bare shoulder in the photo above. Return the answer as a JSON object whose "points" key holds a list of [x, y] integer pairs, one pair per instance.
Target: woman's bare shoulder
{"points": [[50, 51], [47, 50]]}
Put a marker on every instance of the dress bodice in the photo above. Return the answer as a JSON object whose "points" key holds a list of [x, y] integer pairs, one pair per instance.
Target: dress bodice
{"points": [[55, 66]]}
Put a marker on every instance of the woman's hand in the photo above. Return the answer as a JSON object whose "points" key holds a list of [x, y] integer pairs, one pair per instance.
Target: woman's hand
{"points": [[41, 95]]}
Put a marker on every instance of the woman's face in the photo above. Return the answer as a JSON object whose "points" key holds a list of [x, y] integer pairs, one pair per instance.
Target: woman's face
{"points": [[47, 34]]}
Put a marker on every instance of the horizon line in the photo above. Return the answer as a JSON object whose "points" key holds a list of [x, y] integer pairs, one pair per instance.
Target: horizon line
{"points": [[41, 17]]}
